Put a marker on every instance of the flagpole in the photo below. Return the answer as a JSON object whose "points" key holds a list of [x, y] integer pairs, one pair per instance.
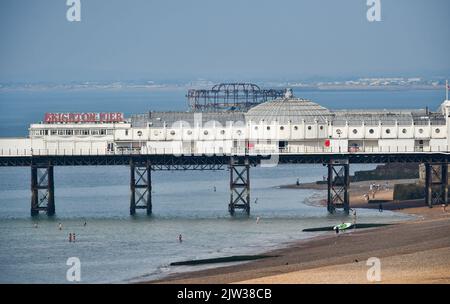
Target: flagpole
{"points": [[446, 90]]}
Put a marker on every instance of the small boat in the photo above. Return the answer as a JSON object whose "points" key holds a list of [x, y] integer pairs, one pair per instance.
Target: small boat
{"points": [[343, 226]]}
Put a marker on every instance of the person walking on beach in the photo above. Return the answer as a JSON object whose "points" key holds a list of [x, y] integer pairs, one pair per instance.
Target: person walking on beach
{"points": [[298, 181], [257, 219], [60, 226], [380, 207]]}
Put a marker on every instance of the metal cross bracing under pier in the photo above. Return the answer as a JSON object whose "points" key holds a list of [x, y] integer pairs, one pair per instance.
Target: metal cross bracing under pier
{"points": [[239, 186], [436, 184], [141, 187], [42, 177], [42, 190], [214, 161], [338, 185]]}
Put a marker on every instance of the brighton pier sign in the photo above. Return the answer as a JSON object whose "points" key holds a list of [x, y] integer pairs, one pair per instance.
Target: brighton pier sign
{"points": [[83, 117]]}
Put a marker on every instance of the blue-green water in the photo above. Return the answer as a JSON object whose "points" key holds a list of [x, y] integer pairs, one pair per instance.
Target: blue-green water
{"points": [[114, 247]]}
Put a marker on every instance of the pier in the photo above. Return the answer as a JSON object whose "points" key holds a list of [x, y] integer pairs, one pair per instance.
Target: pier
{"points": [[234, 127], [141, 166]]}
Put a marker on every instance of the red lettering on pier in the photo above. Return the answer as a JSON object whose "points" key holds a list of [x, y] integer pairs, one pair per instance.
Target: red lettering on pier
{"points": [[83, 117]]}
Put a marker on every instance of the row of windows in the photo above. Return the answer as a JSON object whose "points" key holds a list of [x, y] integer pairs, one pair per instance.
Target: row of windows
{"points": [[189, 132], [222, 132], [295, 128], [70, 132], [338, 131], [388, 131]]}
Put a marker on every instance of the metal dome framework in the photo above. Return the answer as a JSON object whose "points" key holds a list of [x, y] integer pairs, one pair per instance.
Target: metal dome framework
{"points": [[230, 97]]}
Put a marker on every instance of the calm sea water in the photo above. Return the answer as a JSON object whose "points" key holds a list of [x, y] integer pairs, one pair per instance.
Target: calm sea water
{"points": [[114, 247]]}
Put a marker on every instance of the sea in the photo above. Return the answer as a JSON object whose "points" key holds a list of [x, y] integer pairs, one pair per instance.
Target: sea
{"points": [[93, 202]]}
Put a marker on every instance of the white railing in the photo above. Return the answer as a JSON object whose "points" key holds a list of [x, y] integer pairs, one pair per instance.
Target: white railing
{"points": [[222, 151]]}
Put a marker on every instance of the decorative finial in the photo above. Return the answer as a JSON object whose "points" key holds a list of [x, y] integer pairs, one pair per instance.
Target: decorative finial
{"points": [[288, 93]]}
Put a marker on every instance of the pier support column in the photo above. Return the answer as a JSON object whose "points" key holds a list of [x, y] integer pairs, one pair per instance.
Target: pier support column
{"points": [[428, 185], [141, 187], [444, 185], [239, 186], [42, 190], [338, 185], [436, 184]]}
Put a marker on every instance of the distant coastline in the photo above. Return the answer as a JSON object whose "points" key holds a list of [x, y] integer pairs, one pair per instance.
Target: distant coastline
{"points": [[375, 84]]}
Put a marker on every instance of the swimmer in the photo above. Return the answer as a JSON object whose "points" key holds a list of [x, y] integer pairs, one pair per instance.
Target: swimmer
{"points": [[60, 226], [180, 238]]}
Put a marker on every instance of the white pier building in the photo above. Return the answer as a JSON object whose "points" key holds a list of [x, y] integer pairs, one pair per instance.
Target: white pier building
{"points": [[283, 125]]}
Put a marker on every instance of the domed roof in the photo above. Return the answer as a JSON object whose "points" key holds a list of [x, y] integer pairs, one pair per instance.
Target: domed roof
{"points": [[288, 109]]}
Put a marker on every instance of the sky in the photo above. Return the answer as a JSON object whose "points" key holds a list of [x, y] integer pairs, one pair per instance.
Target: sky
{"points": [[118, 40]]}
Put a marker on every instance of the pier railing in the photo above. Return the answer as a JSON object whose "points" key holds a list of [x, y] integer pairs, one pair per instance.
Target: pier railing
{"points": [[220, 151]]}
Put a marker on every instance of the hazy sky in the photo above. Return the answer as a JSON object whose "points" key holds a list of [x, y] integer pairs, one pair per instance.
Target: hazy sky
{"points": [[189, 39]]}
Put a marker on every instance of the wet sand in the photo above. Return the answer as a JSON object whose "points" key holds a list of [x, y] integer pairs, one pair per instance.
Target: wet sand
{"points": [[416, 251]]}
